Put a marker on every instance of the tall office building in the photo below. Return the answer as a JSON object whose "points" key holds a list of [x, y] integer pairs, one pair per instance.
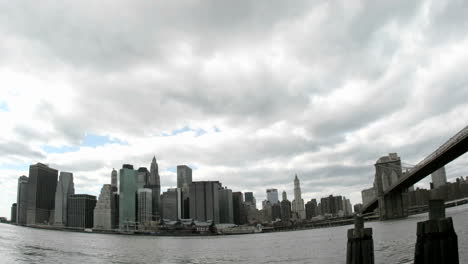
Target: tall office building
{"points": [[272, 196], [298, 202], [22, 200], [238, 209], [204, 200], [285, 208], [347, 207], [80, 210], [42, 185], [154, 183], [439, 177], [127, 198], [114, 180], [184, 179], [13, 213], [171, 202], [145, 206], [311, 209], [331, 205], [104, 212], [276, 211], [226, 213], [65, 187], [250, 200], [142, 177]]}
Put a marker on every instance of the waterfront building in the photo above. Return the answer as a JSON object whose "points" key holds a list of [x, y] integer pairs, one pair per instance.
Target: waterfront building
{"points": [[42, 185], [80, 210], [22, 200], [114, 180], [65, 187], [127, 198], [184, 179], [285, 208], [104, 212], [226, 213], [272, 196], [347, 207], [331, 205], [266, 211], [238, 208], [368, 195], [276, 211], [171, 202], [145, 206], [439, 178], [298, 202], [311, 209], [154, 183], [14, 209], [204, 200], [142, 177], [250, 200]]}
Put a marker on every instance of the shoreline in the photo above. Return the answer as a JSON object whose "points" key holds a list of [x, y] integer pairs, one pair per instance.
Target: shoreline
{"points": [[251, 229]]}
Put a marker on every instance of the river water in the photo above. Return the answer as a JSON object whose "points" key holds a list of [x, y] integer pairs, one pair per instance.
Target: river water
{"points": [[393, 241]]}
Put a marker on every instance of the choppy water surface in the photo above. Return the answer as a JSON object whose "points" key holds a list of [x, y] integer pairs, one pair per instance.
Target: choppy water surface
{"points": [[393, 240]]}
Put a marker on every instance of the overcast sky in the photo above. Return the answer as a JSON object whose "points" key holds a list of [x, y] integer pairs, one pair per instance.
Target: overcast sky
{"points": [[245, 92]]}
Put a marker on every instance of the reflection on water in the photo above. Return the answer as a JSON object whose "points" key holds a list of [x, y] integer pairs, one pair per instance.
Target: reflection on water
{"points": [[393, 241]]}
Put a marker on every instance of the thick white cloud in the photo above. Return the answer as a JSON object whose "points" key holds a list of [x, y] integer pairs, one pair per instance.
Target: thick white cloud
{"points": [[322, 89]]}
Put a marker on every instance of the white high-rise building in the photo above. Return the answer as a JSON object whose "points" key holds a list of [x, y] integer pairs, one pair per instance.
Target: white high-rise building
{"points": [[145, 209], [65, 188], [439, 177], [104, 212], [298, 202], [272, 196]]}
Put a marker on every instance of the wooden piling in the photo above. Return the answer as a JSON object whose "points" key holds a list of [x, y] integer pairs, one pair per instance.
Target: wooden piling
{"points": [[360, 247], [436, 240]]}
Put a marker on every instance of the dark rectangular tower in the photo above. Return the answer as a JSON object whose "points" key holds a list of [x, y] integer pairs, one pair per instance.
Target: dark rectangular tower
{"points": [[41, 193], [80, 210]]}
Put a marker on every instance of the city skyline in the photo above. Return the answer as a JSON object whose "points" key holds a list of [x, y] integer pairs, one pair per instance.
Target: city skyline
{"points": [[247, 94]]}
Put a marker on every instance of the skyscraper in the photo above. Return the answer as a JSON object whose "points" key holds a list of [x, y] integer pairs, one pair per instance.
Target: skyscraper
{"points": [[298, 202], [204, 200], [238, 208], [80, 210], [14, 209], [184, 179], [285, 208], [171, 204], [114, 180], [439, 177], [22, 200], [154, 183], [41, 193], [250, 200], [272, 195], [65, 187], [145, 206], [311, 209], [127, 198], [104, 212], [142, 177], [226, 214]]}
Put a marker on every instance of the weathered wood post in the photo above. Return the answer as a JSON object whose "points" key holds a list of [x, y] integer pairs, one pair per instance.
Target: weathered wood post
{"points": [[360, 248], [436, 241]]}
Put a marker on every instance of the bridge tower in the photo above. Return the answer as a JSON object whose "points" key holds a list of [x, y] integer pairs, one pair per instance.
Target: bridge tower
{"points": [[388, 171]]}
